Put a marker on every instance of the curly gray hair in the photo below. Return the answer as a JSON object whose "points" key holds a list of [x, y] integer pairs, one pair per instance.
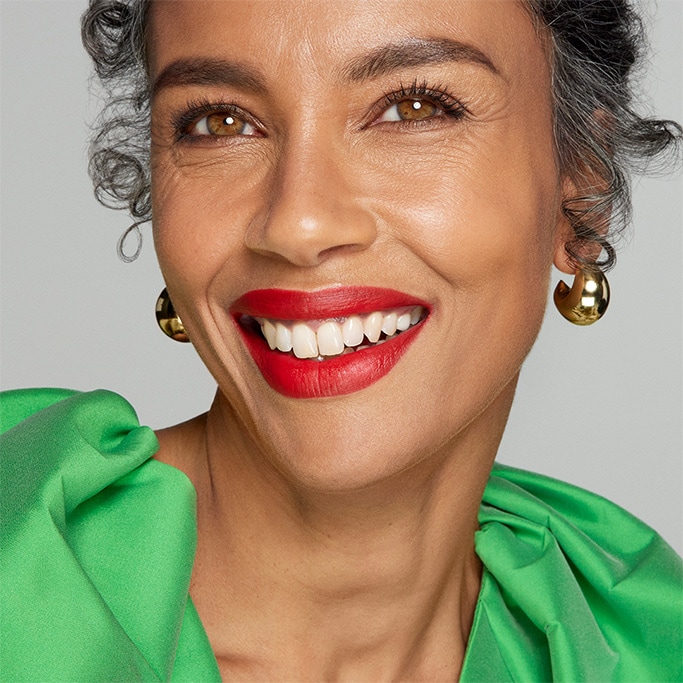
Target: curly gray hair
{"points": [[595, 45]]}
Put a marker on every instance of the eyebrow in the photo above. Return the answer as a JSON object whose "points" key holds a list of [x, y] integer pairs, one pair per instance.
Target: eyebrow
{"points": [[413, 52], [207, 71], [378, 62]]}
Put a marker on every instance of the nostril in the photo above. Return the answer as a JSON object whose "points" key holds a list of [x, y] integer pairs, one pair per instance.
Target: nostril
{"points": [[339, 250]]}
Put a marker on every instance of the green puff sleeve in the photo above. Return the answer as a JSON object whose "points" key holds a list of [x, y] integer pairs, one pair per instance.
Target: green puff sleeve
{"points": [[574, 589], [98, 543]]}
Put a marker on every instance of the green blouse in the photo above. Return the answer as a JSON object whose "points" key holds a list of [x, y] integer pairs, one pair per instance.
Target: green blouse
{"points": [[98, 542]]}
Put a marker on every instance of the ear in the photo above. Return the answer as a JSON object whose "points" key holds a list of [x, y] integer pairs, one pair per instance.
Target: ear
{"points": [[564, 233], [561, 258], [588, 250]]}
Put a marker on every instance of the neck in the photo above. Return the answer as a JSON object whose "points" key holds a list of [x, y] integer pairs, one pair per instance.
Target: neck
{"points": [[374, 583]]}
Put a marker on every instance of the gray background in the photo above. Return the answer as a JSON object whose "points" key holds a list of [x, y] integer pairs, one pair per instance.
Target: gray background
{"points": [[600, 407]]}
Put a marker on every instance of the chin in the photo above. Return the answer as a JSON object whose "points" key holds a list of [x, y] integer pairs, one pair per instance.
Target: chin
{"points": [[360, 440], [343, 466]]}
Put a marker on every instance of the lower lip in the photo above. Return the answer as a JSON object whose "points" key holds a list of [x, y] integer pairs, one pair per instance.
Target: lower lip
{"points": [[335, 376]]}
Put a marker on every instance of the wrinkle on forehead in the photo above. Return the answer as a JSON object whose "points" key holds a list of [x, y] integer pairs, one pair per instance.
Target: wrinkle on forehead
{"points": [[314, 39]]}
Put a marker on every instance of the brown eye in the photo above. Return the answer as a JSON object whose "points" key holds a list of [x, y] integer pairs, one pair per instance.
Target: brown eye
{"points": [[411, 110], [414, 110], [223, 124]]}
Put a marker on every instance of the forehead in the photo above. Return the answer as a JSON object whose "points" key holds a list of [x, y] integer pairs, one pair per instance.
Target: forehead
{"points": [[324, 37]]}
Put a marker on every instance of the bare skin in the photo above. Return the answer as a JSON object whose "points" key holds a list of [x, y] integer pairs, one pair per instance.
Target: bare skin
{"points": [[336, 535]]}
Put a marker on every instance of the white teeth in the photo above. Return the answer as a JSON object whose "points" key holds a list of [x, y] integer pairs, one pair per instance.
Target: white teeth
{"points": [[269, 333], [403, 322], [330, 339], [373, 326], [389, 324], [353, 331], [304, 342], [283, 337]]}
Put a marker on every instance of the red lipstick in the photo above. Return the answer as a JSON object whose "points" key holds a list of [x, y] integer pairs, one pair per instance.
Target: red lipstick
{"points": [[334, 376]]}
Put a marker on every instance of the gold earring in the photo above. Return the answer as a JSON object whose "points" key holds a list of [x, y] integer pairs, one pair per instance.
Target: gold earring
{"points": [[587, 299], [169, 321]]}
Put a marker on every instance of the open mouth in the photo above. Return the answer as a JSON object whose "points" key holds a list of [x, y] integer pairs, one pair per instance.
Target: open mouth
{"points": [[330, 342], [323, 339]]}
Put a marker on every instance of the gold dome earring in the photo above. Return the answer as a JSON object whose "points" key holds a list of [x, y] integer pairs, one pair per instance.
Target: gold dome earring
{"points": [[587, 299], [169, 321]]}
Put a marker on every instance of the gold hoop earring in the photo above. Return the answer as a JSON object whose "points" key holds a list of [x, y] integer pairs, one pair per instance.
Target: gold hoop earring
{"points": [[587, 299], [169, 321]]}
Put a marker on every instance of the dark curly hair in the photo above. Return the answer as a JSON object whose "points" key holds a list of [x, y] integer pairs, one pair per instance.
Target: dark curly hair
{"points": [[595, 46]]}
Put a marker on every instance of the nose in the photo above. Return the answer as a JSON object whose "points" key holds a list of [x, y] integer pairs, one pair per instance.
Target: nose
{"points": [[312, 211]]}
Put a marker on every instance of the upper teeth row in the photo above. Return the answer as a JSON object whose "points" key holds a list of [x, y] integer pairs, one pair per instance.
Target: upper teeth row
{"points": [[331, 338]]}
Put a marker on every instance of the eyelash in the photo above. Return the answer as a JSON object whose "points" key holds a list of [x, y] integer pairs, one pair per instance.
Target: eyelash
{"points": [[183, 120], [438, 95]]}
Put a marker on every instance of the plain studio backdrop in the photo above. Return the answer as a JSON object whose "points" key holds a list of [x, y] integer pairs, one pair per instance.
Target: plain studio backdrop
{"points": [[600, 407]]}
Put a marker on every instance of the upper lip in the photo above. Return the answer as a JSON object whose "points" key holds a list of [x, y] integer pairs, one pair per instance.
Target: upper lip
{"points": [[332, 302]]}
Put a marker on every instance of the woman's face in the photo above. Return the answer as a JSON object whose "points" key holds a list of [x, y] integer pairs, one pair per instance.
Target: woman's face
{"points": [[386, 157]]}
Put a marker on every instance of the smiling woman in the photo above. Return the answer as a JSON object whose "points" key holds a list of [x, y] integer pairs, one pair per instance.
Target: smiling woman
{"points": [[355, 207]]}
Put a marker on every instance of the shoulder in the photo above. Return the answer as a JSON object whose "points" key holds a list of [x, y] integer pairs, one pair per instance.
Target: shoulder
{"points": [[94, 532], [604, 589], [18, 405], [58, 444], [578, 520]]}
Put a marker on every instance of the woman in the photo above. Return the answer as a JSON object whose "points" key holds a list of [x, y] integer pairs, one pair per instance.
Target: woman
{"points": [[66, 233], [316, 173]]}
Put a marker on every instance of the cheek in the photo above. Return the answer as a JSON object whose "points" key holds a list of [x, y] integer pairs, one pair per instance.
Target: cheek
{"points": [[200, 210], [476, 212]]}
